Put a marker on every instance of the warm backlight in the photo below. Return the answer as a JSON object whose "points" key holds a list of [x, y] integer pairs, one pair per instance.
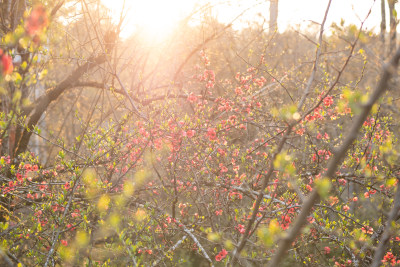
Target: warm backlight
{"points": [[154, 18], [157, 18]]}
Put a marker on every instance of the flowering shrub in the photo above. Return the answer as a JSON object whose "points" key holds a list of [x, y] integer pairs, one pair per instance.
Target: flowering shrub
{"points": [[217, 170]]}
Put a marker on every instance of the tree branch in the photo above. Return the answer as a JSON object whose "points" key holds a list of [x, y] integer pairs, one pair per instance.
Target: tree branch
{"points": [[51, 95], [380, 251], [338, 157]]}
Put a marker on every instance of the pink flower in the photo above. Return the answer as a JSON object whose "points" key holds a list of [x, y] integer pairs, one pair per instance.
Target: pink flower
{"points": [[224, 252], [67, 186], [367, 230], [192, 98], [346, 208], [211, 133], [223, 168], [36, 21], [221, 255], [190, 133], [43, 186], [241, 228], [310, 219], [75, 213], [218, 212], [64, 242], [327, 250], [390, 258], [6, 63], [328, 101]]}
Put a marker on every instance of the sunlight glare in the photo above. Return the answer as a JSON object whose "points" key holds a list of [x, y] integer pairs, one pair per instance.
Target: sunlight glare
{"points": [[156, 18]]}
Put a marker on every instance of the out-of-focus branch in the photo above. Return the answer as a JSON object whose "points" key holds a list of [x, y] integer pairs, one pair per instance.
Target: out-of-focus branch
{"points": [[317, 55], [51, 95], [381, 249], [200, 46], [177, 244], [5, 258], [196, 49], [203, 251], [143, 102], [189, 232], [260, 197], [56, 8], [338, 157]]}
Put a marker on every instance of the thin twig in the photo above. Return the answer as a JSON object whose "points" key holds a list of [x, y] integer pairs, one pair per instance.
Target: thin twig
{"points": [[336, 160], [177, 244], [381, 249], [317, 56]]}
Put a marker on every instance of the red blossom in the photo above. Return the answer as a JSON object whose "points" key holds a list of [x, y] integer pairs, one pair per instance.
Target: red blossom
{"points": [[6, 63], [224, 252], [389, 258], [211, 133], [218, 212], [67, 186], [328, 101], [190, 133], [221, 255], [301, 131], [43, 186], [36, 21], [223, 168], [241, 228], [192, 98], [368, 230]]}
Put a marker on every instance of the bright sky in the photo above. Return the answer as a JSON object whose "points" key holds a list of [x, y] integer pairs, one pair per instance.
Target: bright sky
{"points": [[158, 17]]}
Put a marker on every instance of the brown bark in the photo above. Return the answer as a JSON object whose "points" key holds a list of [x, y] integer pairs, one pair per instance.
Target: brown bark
{"points": [[17, 12], [51, 95], [393, 26], [383, 27], [273, 16]]}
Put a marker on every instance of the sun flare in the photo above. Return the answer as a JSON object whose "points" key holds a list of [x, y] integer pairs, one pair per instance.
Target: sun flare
{"points": [[156, 18]]}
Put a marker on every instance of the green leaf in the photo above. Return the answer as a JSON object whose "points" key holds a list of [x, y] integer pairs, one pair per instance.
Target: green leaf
{"points": [[323, 186]]}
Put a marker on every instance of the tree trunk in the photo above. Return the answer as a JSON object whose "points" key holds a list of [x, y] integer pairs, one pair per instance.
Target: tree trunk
{"points": [[393, 26], [273, 16], [383, 28]]}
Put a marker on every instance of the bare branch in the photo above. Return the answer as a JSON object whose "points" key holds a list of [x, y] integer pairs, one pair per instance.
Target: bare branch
{"points": [[381, 249], [51, 95], [317, 55], [338, 157]]}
